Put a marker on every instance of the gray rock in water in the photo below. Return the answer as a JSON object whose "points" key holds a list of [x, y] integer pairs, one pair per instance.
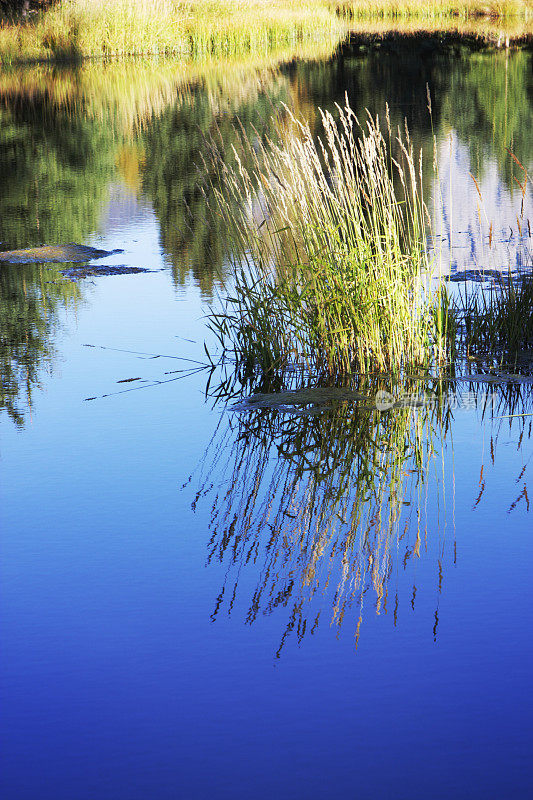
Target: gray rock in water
{"points": [[97, 270], [57, 254]]}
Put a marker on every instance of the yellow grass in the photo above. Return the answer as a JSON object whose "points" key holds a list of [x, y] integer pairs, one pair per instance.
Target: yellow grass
{"points": [[199, 28], [436, 9]]}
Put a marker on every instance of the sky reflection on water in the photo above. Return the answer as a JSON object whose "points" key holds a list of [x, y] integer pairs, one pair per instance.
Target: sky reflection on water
{"points": [[154, 649]]}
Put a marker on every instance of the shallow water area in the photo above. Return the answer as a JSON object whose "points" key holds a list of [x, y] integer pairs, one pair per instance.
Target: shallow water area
{"points": [[209, 600]]}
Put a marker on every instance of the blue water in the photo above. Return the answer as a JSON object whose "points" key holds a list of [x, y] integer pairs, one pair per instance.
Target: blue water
{"points": [[126, 675]]}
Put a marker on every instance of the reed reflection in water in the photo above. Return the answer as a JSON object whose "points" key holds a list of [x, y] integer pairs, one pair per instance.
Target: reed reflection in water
{"points": [[322, 501], [323, 504]]}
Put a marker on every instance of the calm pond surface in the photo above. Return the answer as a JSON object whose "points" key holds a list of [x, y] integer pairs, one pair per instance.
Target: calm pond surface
{"points": [[310, 601]]}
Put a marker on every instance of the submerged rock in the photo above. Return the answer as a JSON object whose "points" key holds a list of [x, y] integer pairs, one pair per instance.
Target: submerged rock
{"points": [[321, 397], [494, 275], [58, 254], [96, 270]]}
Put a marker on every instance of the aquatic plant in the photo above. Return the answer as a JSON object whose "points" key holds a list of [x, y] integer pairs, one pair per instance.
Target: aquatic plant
{"points": [[497, 319], [328, 241], [494, 315]]}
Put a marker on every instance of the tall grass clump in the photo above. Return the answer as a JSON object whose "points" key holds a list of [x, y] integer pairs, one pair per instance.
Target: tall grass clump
{"points": [[497, 320], [188, 28], [328, 245], [493, 314], [434, 9]]}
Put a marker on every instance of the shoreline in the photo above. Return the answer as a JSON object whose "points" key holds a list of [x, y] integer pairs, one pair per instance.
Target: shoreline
{"points": [[195, 30]]}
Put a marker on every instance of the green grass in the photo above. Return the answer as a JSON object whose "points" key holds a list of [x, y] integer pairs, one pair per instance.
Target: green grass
{"points": [[214, 28], [328, 245], [190, 28], [496, 323], [434, 9]]}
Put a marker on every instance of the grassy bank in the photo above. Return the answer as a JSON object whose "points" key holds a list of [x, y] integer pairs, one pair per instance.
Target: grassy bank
{"points": [[200, 28], [492, 30], [434, 10], [191, 28]]}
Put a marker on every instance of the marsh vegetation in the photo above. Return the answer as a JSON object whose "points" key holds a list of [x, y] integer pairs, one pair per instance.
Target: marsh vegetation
{"points": [[72, 29], [330, 254], [71, 134], [187, 28], [336, 269]]}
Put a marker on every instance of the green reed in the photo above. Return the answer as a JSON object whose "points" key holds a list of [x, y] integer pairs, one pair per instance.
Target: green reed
{"points": [[328, 243], [497, 320]]}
